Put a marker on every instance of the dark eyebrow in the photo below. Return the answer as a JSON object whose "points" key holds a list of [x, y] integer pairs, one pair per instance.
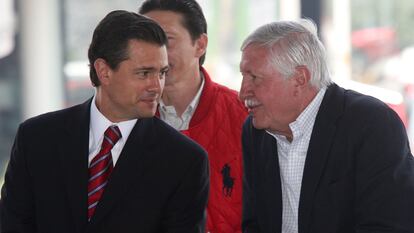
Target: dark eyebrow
{"points": [[144, 68], [150, 68]]}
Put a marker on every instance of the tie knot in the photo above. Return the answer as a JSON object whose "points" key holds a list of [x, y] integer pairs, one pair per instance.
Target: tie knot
{"points": [[112, 135]]}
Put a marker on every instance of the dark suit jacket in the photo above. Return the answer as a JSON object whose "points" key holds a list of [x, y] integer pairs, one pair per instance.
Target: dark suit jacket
{"points": [[358, 175], [159, 184]]}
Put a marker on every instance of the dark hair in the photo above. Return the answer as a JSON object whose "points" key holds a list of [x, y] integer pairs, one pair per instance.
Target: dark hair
{"points": [[111, 36], [193, 17]]}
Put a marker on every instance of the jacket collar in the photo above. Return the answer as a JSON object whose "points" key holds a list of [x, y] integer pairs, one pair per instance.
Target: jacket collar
{"points": [[318, 152]]}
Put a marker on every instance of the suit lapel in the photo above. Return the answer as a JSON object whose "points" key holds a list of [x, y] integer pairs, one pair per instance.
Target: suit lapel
{"points": [[134, 159], [318, 151], [74, 161], [271, 180]]}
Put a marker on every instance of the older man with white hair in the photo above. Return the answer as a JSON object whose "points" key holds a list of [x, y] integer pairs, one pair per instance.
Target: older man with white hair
{"points": [[317, 158]]}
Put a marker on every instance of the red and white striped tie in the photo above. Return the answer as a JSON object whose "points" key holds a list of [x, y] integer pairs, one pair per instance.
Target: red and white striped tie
{"points": [[100, 168]]}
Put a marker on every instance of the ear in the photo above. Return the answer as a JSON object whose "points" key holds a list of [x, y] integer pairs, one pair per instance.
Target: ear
{"points": [[102, 70], [201, 45], [302, 77]]}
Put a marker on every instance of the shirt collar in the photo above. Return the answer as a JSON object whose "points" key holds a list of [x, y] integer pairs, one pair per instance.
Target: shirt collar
{"points": [[99, 123], [305, 121]]}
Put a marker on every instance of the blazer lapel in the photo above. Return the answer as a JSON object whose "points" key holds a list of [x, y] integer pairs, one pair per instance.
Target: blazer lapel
{"points": [[74, 157], [318, 152], [271, 180], [134, 159]]}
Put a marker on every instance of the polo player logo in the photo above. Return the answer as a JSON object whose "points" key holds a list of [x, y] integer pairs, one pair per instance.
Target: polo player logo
{"points": [[228, 181]]}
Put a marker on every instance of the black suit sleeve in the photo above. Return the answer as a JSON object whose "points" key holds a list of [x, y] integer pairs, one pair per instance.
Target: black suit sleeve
{"points": [[249, 221], [17, 211], [384, 200], [186, 209]]}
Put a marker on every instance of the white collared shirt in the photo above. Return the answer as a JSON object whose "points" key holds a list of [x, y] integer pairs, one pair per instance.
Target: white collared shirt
{"points": [[97, 127], [169, 115], [292, 156]]}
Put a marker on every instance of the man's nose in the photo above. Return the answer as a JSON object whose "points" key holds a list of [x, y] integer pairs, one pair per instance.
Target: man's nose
{"points": [[155, 83], [243, 89]]}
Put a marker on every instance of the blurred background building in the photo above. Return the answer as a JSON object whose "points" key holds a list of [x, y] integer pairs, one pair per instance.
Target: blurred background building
{"points": [[43, 49]]}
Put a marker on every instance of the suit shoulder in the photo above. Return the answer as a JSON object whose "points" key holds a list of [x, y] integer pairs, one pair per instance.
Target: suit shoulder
{"points": [[359, 111], [46, 118], [358, 100], [51, 120], [367, 106]]}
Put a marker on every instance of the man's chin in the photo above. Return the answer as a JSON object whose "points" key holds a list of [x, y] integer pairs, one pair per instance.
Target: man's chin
{"points": [[147, 114], [257, 124]]}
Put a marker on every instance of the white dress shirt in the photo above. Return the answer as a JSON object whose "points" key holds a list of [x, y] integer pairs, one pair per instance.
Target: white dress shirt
{"points": [[97, 127], [169, 115], [292, 156]]}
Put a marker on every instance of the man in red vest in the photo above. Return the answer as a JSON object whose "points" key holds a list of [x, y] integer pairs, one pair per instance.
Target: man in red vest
{"points": [[207, 112]]}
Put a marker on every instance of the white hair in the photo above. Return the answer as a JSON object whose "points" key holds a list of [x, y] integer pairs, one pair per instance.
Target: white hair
{"points": [[292, 44]]}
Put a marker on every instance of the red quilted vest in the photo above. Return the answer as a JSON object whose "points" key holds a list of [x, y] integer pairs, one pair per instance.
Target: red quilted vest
{"points": [[216, 125]]}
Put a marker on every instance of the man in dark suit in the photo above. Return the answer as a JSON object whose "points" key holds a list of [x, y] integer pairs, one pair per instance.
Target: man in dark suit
{"points": [[317, 158], [107, 165]]}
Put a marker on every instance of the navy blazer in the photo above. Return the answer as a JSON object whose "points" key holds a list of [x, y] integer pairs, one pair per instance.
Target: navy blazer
{"points": [[159, 184], [358, 174]]}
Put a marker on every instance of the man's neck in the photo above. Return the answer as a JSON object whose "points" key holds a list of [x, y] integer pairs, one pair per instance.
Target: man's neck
{"points": [[180, 94]]}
